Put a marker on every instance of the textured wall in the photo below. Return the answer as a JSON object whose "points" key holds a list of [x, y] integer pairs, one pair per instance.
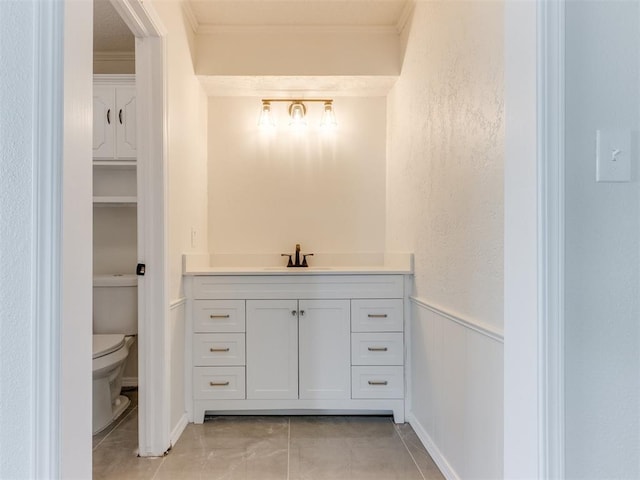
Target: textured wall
{"points": [[445, 203], [445, 157], [186, 146], [187, 179], [602, 278], [16, 349], [269, 192]]}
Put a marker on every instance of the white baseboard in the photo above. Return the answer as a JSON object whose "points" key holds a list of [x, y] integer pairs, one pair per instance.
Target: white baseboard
{"points": [[129, 382], [178, 429], [439, 459]]}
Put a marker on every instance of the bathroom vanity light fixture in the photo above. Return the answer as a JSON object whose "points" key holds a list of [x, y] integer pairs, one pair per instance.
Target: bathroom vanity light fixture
{"points": [[297, 112]]}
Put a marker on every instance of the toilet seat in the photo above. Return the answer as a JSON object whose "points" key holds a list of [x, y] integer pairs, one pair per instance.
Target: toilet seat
{"points": [[106, 344]]}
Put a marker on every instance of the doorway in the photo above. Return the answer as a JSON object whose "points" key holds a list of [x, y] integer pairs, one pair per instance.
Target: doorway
{"points": [[153, 426]]}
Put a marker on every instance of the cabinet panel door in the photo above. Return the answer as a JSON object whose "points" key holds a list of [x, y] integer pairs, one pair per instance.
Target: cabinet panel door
{"points": [[325, 349], [104, 117], [126, 122], [272, 349]]}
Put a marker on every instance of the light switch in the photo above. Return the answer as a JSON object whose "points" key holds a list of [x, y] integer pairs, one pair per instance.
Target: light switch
{"points": [[613, 157]]}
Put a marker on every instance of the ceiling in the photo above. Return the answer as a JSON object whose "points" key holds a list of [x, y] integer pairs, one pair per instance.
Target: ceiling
{"points": [[110, 33]]}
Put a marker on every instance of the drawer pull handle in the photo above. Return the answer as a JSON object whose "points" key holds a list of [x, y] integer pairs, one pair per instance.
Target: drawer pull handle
{"points": [[378, 382], [218, 384], [377, 315], [218, 316], [219, 349], [378, 349]]}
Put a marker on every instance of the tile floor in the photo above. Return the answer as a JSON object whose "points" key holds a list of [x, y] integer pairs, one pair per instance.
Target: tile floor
{"points": [[274, 447]]}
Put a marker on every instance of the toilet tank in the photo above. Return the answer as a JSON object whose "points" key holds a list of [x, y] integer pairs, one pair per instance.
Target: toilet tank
{"points": [[115, 304]]}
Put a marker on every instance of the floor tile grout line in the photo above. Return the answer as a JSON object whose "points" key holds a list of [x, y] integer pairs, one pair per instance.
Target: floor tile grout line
{"points": [[115, 428], [155, 475], [289, 449], [409, 452]]}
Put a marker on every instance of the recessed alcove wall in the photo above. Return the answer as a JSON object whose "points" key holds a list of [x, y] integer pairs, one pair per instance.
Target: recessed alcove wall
{"points": [[270, 190]]}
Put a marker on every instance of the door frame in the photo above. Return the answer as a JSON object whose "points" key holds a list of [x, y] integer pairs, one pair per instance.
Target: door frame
{"points": [[551, 115], [153, 310], [534, 240]]}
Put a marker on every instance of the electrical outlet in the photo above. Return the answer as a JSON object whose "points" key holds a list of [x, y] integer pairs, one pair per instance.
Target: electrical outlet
{"points": [[193, 237]]}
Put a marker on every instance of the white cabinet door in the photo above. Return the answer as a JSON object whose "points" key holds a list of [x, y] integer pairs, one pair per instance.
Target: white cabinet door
{"points": [[325, 349], [272, 349], [104, 118], [114, 122], [125, 123]]}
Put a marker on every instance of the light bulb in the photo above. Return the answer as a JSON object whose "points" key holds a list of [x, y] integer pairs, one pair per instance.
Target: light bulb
{"points": [[328, 121], [266, 117], [297, 111]]}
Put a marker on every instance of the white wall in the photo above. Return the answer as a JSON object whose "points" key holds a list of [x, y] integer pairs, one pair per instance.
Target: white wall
{"points": [[445, 203], [268, 192], [77, 217], [187, 178], [16, 213], [602, 331]]}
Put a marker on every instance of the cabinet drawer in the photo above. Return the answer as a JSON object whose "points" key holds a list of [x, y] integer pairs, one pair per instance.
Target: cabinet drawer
{"points": [[377, 382], [377, 349], [218, 316], [376, 315], [218, 383], [218, 349]]}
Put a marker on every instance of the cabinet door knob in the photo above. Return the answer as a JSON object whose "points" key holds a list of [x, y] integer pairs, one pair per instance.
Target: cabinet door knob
{"points": [[377, 315], [109, 117], [120, 116], [294, 313], [218, 316], [219, 349], [378, 382], [302, 313]]}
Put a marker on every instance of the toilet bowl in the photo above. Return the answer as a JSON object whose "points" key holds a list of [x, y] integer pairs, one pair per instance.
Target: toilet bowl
{"points": [[115, 324], [109, 356]]}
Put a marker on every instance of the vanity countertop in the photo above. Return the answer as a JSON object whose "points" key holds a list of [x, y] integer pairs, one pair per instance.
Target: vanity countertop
{"points": [[327, 264]]}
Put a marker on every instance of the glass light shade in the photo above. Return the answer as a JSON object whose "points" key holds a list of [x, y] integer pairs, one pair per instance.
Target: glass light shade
{"points": [[328, 117], [297, 111], [266, 117]]}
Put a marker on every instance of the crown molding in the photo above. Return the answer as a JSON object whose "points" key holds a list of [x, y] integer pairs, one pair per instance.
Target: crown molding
{"points": [[191, 17], [405, 15], [114, 56]]}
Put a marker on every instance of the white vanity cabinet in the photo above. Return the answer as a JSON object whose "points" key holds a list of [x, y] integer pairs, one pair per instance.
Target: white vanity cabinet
{"points": [[298, 349], [272, 343], [312, 343], [114, 117]]}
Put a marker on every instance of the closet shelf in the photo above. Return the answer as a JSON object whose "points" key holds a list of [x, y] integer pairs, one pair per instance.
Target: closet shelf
{"points": [[121, 164]]}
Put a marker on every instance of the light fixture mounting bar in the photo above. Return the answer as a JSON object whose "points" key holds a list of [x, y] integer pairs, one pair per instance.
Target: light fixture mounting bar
{"points": [[297, 100]]}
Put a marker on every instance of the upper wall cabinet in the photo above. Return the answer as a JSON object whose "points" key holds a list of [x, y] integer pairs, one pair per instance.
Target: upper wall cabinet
{"points": [[114, 117]]}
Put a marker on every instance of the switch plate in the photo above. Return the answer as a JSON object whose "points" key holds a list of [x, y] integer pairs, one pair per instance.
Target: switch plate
{"points": [[613, 157]]}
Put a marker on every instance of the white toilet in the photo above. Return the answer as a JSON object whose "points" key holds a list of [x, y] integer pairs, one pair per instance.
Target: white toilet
{"points": [[115, 324]]}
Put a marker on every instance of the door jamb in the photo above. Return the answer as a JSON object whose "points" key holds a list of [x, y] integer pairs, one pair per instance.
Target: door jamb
{"points": [[153, 312], [551, 134]]}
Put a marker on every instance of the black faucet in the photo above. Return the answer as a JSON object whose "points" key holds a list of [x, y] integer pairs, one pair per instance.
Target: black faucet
{"points": [[297, 263]]}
